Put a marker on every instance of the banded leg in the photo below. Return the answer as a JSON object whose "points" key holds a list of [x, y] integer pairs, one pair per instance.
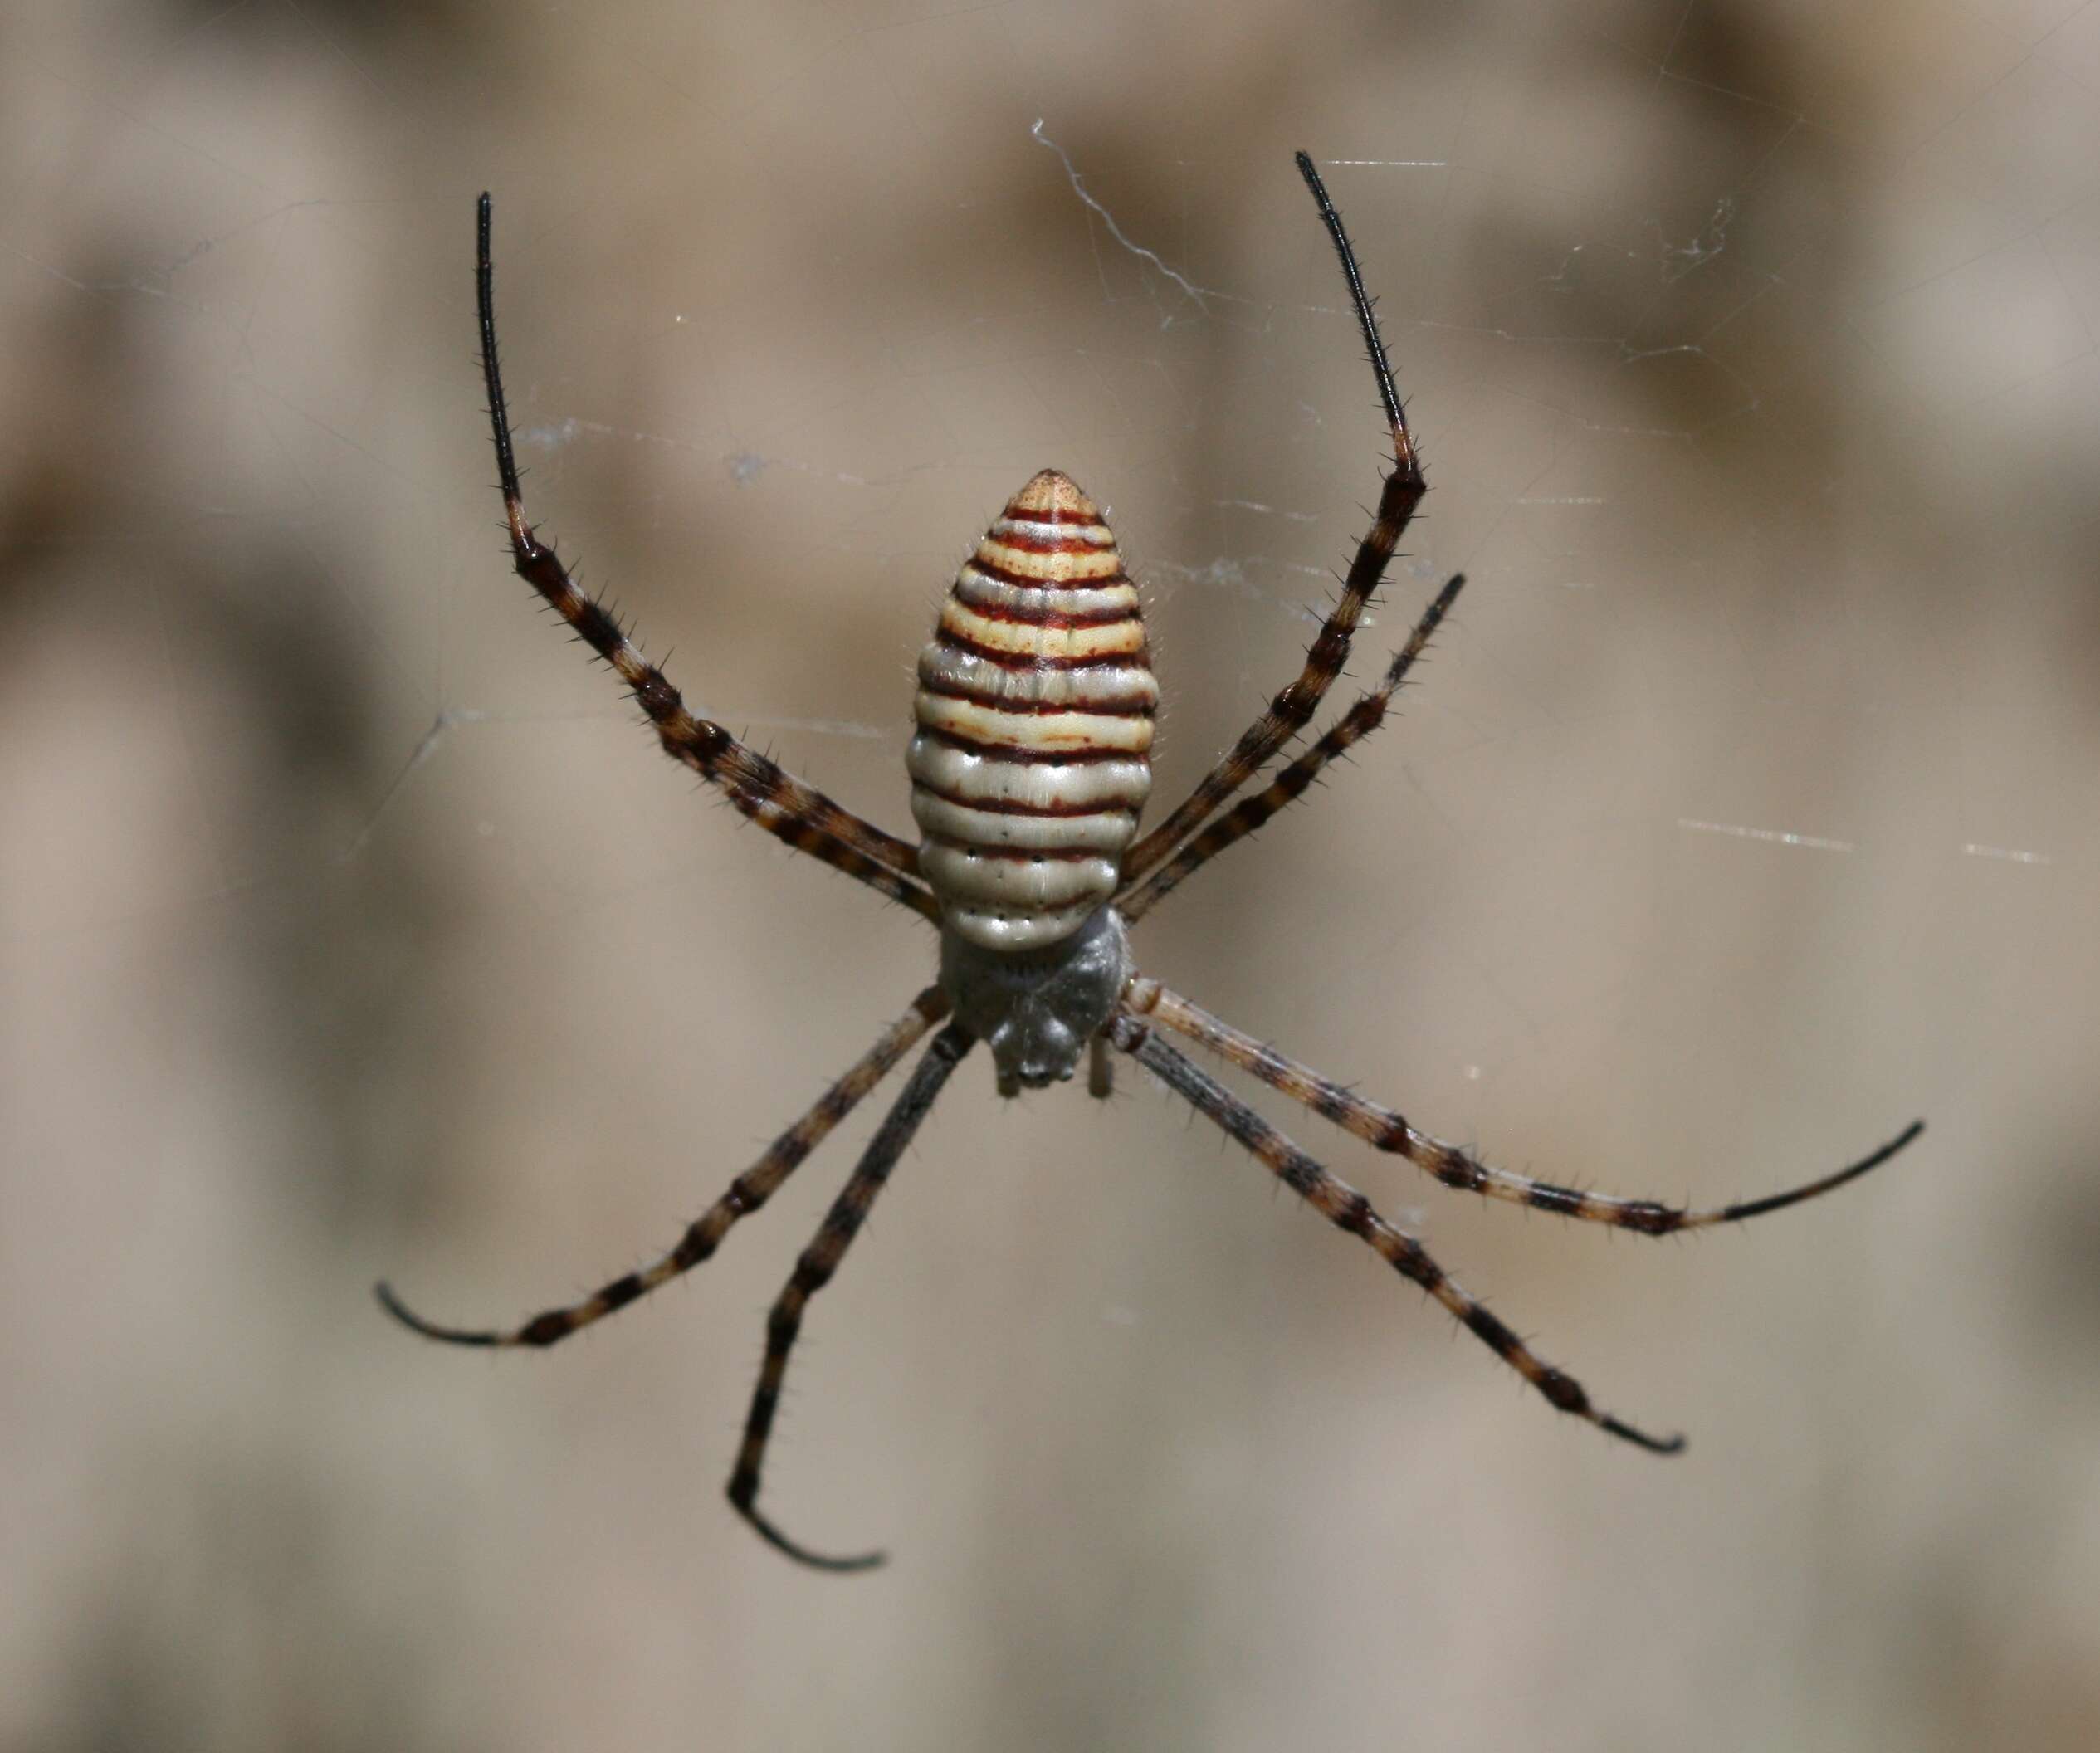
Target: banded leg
{"points": [[1250, 813], [1387, 1131], [814, 1271], [746, 1193], [1345, 1209], [780, 803], [1292, 708]]}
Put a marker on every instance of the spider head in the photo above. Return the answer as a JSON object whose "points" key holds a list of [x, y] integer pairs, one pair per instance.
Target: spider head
{"points": [[1037, 1009], [1032, 1049]]}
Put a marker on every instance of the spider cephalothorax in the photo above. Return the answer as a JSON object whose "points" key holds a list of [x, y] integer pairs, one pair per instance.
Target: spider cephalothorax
{"points": [[1029, 767], [1037, 1009]]}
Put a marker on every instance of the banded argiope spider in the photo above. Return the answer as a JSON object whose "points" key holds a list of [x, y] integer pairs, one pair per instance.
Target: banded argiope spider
{"points": [[1029, 767]]}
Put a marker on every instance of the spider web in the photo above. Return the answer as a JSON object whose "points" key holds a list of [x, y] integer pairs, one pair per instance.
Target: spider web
{"points": [[1743, 810]]}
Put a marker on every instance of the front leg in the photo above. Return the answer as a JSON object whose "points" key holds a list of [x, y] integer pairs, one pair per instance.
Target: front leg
{"points": [[1293, 708], [780, 804]]}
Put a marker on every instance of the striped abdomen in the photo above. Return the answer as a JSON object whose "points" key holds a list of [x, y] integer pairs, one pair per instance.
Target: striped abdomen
{"points": [[1033, 752]]}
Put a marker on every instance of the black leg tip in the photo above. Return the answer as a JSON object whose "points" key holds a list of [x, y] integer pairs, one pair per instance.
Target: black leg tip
{"points": [[1672, 1445], [415, 1323], [746, 1505]]}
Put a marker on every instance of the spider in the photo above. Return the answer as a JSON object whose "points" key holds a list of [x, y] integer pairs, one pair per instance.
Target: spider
{"points": [[1029, 767]]}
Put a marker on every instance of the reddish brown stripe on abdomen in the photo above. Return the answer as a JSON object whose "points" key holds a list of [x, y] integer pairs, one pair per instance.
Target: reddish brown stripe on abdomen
{"points": [[949, 690]]}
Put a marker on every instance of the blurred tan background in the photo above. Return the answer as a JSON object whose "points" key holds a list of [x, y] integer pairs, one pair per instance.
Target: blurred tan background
{"points": [[350, 927]]}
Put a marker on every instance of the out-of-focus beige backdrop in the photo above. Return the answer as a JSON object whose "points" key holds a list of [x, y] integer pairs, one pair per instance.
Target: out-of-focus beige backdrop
{"points": [[351, 926]]}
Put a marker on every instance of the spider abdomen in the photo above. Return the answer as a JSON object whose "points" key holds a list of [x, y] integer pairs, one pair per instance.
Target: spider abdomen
{"points": [[1032, 756]]}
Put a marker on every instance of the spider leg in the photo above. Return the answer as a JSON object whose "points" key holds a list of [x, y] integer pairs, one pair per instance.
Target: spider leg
{"points": [[748, 1191], [1293, 708], [1388, 1131], [814, 1271], [780, 803], [1250, 813], [1346, 1208]]}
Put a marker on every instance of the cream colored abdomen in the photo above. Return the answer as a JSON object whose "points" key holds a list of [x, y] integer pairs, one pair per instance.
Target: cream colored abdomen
{"points": [[1033, 753]]}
